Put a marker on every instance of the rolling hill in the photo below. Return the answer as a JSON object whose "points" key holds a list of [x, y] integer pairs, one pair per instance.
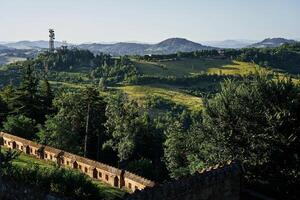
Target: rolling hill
{"points": [[229, 44], [168, 46], [121, 48], [25, 44], [188, 67], [2, 47], [174, 45], [271, 42]]}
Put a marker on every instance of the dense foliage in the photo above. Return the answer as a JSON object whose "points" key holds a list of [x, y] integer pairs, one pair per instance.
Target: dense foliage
{"points": [[65, 59], [285, 57], [253, 119], [78, 125], [55, 180], [121, 70]]}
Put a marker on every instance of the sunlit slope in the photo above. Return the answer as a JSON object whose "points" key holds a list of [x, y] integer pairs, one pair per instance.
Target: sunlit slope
{"points": [[186, 67], [140, 92]]}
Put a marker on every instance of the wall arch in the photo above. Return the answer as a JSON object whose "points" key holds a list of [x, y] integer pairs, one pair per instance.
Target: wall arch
{"points": [[95, 173], [75, 165], [116, 181], [13, 145], [122, 179], [27, 150]]}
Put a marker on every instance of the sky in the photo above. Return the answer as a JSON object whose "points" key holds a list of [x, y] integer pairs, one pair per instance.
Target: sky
{"points": [[78, 21]]}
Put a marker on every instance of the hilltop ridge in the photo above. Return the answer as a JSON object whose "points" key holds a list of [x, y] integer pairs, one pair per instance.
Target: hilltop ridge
{"points": [[168, 46], [272, 42]]}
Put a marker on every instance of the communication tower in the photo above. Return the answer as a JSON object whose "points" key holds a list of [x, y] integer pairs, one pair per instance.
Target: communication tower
{"points": [[51, 40]]}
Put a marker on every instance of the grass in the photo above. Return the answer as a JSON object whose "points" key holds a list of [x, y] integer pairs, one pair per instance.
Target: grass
{"points": [[10, 59], [140, 92], [57, 84], [186, 67], [236, 67], [24, 160]]}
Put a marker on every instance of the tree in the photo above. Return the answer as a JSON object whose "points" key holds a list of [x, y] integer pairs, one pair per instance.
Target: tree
{"points": [[95, 118], [58, 132], [102, 84], [20, 125], [258, 122], [25, 100], [46, 97], [186, 149], [6, 159], [7, 95], [123, 124], [3, 110], [176, 150], [135, 136], [78, 124]]}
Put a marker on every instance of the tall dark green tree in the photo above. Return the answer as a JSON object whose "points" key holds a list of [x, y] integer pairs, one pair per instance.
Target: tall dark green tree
{"points": [[26, 99], [134, 136], [95, 119], [78, 125], [123, 125], [176, 150], [3, 110], [258, 122], [46, 97], [20, 125]]}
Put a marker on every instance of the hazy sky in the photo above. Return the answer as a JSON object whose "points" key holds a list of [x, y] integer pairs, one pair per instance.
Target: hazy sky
{"points": [[148, 20]]}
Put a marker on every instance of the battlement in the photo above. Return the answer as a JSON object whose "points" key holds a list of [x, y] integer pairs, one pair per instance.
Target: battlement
{"points": [[221, 181], [97, 170]]}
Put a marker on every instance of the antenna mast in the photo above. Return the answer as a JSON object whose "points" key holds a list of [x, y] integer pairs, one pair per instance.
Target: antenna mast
{"points": [[51, 40], [64, 45]]}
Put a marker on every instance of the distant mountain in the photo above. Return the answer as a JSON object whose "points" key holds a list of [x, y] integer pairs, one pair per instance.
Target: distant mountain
{"points": [[232, 44], [121, 48], [168, 46], [174, 45], [271, 42], [3, 47], [41, 44]]}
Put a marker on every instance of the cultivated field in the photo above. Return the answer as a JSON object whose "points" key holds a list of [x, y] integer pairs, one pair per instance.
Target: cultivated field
{"points": [[140, 92], [186, 67]]}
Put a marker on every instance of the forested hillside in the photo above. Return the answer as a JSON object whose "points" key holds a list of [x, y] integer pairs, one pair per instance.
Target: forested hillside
{"points": [[164, 116]]}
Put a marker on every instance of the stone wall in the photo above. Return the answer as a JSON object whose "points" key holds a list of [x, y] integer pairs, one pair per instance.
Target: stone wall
{"points": [[217, 183], [222, 182], [105, 173]]}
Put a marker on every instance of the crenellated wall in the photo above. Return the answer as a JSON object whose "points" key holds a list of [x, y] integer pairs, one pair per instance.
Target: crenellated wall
{"points": [[108, 174], [222, 182]]}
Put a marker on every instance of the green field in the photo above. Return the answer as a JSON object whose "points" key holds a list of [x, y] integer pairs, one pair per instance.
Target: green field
{"points": [[10, 59], [176, 68], [186, 67], [140, 92], [26, 161]]}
